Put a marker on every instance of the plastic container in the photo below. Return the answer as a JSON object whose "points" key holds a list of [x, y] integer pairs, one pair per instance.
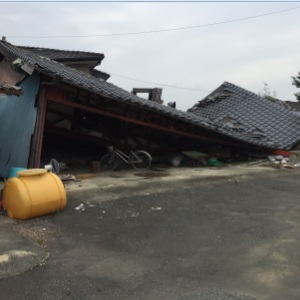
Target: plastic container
{"points": [[13, 172], [34, 193]]}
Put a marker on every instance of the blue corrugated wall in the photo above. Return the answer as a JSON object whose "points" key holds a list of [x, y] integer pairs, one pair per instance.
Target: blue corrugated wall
{"points": [[17, 121]]}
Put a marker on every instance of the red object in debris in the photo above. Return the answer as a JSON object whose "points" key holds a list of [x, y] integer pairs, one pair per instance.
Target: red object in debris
{"points": [[282, 152]]}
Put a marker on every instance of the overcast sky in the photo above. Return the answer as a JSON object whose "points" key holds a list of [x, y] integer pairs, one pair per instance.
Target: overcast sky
{"points": [[247, 53]]}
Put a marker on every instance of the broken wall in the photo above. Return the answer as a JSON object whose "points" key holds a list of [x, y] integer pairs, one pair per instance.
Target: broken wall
{"points": [[8, 75], [17, 121]]}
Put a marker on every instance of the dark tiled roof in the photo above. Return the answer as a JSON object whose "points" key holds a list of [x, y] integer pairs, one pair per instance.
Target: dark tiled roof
{"points": [[245, 122], [64, 55], [95, 85], [100, 74], [249, 117]]}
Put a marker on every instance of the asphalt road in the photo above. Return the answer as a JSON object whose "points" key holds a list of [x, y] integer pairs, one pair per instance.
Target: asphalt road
{"points": [[226, 239]]}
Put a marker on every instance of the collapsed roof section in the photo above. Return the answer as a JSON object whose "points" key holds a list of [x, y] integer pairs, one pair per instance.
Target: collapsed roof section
{"points": [[249, 117], [65, 74], [230, 112]]}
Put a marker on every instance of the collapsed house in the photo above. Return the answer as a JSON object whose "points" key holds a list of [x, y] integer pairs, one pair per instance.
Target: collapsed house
{"points": [[68, 108]]}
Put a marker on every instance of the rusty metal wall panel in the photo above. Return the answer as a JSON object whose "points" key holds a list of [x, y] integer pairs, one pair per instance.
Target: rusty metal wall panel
{"points": [[17, 121]]}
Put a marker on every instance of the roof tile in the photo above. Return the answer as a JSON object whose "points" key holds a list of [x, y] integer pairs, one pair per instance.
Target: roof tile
{"points": [[280, 127], [248, 109]]}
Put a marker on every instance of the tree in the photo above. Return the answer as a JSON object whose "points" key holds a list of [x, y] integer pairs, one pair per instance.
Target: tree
{"points": [[296, 82], [266, 93]]}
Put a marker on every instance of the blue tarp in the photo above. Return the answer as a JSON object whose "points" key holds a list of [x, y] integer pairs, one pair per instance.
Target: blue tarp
{"points": [[17, 121]]}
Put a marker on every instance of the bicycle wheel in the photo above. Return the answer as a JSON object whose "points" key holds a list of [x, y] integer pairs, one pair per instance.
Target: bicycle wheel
{"points": [[144, 160], [108, 162]]}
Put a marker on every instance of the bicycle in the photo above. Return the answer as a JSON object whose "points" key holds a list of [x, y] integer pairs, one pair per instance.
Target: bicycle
{"points": [[140, 160]]}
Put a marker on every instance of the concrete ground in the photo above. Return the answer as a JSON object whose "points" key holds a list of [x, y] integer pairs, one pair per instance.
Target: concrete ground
{"points": [[165, 234]]}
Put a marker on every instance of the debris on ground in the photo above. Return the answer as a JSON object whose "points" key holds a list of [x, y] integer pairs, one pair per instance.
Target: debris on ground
{"points": [[258, 162], [86, 175], [135, 214], [67, 177], [279, 159], [291, 161], [294, 160], [80, 207], [156, 208], [152, 174], [176, 161]]}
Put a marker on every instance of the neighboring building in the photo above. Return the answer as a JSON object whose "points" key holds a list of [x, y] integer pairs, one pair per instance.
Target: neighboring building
{"points": [[79, 60], [154, 94]]}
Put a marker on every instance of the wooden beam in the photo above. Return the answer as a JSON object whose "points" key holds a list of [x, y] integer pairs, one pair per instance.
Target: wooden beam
{"points": [[37, 138], [11, 92], [58, 96]]}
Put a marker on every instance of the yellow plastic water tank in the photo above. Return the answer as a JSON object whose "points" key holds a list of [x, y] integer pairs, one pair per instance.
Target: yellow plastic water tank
{"points": [[34, 193]]}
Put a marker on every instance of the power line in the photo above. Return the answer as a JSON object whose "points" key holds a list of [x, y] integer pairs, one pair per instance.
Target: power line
{"points": [[154, 31], [161, 84]]}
